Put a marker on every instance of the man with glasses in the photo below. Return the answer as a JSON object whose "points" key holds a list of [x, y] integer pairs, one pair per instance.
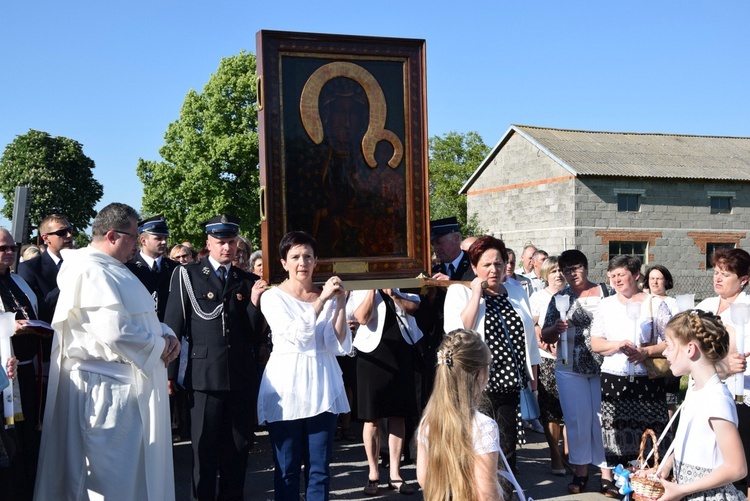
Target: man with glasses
{"points": [[17, 297], [106, 429], [151, 265], [41, 272]]}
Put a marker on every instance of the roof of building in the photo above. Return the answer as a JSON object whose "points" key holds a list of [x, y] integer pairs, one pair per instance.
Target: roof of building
{"points": [[629, 154]]}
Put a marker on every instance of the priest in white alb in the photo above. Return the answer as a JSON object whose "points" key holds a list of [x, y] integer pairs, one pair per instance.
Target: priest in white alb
{"points": [[107, 432]]}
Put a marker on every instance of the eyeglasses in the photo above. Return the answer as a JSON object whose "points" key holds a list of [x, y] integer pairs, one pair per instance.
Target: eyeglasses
{"points": [[134, 237], [573, 269], [181, 256], [61, 232], [6, 248]]}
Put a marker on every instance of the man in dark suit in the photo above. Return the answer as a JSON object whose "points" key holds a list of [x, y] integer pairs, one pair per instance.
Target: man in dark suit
{"points": [[41, 272], [151, 265], [216, 305]]}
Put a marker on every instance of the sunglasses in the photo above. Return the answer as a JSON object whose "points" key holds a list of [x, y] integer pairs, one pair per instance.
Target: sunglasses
{"points": [[61, 232], [5, 248]]}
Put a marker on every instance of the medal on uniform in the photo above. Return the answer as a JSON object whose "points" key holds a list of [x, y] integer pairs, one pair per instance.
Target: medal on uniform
{"points": [[239, 297], [210, 295]]}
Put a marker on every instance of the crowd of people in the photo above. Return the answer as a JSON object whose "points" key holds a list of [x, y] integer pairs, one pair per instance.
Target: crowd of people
{"points": [[147, 343]]}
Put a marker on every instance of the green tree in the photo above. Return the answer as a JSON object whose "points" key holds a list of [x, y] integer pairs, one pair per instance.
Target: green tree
{"points": [[453, 159], [210, 156], [59, 174]]}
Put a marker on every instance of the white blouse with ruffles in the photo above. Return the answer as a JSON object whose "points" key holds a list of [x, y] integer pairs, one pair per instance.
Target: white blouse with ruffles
{"points": [[302, 378]]}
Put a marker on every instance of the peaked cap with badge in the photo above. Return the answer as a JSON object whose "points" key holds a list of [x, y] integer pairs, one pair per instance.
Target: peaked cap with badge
{"points": [[222, 226], [156, 225]]}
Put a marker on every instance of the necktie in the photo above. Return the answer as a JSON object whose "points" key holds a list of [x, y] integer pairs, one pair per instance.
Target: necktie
{"points": [[223, 275], [451, 270], [155, 268], [59, 263]]}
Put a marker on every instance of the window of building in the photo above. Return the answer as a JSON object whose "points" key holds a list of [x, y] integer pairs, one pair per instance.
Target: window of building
{"points": [[711, 247], [637, 249], [628, 202], [721, 205]]}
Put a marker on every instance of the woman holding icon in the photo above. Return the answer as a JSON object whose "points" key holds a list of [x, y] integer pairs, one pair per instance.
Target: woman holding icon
{"points": [[577, 369]]}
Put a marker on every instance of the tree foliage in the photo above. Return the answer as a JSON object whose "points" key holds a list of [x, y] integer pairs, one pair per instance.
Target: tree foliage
{"points": [[59, 175], [210, 156], [453, 159]]}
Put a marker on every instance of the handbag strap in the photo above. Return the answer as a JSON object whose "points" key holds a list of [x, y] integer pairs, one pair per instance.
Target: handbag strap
{"points": [[651, 314], [512, 351], [387, 300], [508, 475]]}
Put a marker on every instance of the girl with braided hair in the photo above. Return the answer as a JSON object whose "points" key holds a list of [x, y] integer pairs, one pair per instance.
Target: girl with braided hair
{"points": [[458, 444], [708, 454]]}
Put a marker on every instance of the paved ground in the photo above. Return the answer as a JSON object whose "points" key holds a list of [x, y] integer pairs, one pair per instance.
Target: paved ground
{"points": [[350, 473]]}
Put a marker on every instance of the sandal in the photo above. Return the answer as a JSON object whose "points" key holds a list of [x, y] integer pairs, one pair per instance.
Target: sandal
{"points": [[371, 489], [609, 489], [578, 484], [403, 487]]}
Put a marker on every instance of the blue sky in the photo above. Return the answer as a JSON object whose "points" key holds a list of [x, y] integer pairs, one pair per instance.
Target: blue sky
{"points": [[113, 75]]}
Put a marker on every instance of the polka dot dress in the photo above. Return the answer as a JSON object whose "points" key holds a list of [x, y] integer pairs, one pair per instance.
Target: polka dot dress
{"points": [[508, 362]]}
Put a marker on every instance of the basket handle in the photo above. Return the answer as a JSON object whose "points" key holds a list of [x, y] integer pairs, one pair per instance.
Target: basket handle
{"points": [[646, 434]]}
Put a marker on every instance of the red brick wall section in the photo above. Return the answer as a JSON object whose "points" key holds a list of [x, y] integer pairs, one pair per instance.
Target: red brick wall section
{"points": [[608, 236], [701, 238]]}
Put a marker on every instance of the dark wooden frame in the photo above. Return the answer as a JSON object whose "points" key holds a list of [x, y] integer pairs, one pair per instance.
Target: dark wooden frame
{"points": [[298, 189]]}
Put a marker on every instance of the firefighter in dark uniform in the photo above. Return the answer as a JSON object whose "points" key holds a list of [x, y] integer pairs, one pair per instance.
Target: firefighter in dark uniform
{"points": [[151, 265], [216, 306]]}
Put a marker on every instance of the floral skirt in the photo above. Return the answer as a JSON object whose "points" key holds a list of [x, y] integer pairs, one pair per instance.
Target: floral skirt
{"points": [[629, 409], [549, 397], [686, 473]]}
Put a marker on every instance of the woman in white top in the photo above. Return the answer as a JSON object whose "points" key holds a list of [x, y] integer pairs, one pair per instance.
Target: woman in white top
{"points": [[708, 454], [500, 313], [631, 402], [731, 275], [548, 396], [302, 391], [458, 446]]}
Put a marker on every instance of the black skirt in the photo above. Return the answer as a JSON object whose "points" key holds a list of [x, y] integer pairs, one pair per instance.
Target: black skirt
{"points": [[385, 376]]}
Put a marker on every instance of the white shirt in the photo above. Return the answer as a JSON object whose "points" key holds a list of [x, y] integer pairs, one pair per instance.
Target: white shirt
{"points": [[695, 441], [302, 378], [150, 261], [368, 335], [611, 322], [539, 302]]}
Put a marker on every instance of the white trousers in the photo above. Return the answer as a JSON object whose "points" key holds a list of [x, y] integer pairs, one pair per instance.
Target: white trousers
{"points": [[581, 402]]}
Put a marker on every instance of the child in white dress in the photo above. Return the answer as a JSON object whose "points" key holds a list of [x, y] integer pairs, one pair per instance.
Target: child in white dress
{"points": [[463, 464], [708, 454]]}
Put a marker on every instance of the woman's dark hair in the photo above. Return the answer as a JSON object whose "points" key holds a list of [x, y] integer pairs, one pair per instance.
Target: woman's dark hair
{"points": [[572, 257], [297, 238], [627, 261], [668, 280], [735, 260], [485, 243]]}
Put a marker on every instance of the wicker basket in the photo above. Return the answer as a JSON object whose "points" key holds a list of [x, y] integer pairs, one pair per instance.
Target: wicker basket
{"points": [[646, 489]]}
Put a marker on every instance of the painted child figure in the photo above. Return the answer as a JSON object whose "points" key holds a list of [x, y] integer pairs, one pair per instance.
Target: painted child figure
{"points": [[708, 454]]}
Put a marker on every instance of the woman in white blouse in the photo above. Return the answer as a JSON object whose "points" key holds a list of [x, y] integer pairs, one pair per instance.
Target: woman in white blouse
{"points": [[302, 391], [623, 327], [458, 445], [731, 275]]}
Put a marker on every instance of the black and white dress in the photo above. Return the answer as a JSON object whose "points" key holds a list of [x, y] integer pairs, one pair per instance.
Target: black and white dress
{"points": [[505, 337]]}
